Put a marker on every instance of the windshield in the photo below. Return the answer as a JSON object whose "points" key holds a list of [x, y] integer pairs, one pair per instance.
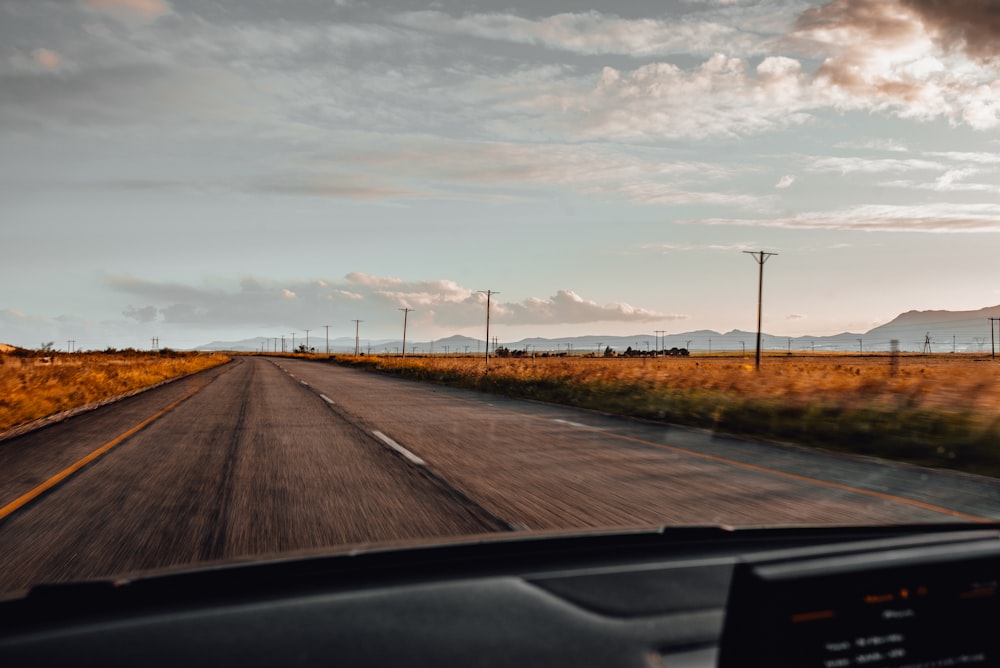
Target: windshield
{"points": [[413, 272]]}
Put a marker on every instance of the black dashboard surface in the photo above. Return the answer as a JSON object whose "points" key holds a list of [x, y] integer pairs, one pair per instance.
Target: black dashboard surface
{"points": [[665, 597]]}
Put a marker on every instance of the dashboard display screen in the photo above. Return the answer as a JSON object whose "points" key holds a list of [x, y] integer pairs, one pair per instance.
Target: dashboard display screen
{"points": [[920, 607]]}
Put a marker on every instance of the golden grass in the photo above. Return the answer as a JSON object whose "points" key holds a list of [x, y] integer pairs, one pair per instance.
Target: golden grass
{"points": [[33, 387], [936, 410]]}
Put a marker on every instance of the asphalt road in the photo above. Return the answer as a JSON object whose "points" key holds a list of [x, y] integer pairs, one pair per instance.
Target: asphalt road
{"points": [[264, 456]]}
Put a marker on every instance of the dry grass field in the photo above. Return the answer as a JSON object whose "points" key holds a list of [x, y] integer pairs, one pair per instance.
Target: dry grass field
{"points": [[33, 386], [939, 410]]}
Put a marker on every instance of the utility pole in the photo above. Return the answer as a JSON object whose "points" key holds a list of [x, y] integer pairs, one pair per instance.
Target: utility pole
{"points": [[293, 342], [489, 294], [406, 313], [993, 353], [357, 325], [307, 340], [282, 343], [760, 257], [861, 347], [327, 339]]}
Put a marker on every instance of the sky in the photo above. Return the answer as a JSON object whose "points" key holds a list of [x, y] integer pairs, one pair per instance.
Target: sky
{"points": [[220, 170]]}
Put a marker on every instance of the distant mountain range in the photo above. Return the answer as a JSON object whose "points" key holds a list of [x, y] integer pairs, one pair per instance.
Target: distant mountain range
{"points": [[915, 331]]}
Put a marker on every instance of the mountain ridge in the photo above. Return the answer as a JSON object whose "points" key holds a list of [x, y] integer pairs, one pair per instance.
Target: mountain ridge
{"points": [[916, 331]]}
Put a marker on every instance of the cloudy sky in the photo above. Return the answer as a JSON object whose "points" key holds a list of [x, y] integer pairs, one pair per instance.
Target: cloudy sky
{"points": [[234, 168]]}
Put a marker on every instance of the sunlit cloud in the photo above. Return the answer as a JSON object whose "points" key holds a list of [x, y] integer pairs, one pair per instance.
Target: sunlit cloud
{"points": [[143, 11], [915, 58], [47, 59]]}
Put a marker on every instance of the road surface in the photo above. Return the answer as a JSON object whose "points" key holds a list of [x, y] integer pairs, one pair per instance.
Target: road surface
{"points": [[269, 455]]}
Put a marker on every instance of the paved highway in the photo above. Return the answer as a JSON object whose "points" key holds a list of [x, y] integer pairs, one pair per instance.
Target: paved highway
{"points": [[263, 456]]}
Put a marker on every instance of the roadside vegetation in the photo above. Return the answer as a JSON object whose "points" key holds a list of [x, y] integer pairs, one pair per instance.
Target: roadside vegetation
{"points": [[941, 411], [39, 383]]}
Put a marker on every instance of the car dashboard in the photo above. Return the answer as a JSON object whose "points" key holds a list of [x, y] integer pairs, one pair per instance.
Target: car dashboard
{"points": [[685, 597]]}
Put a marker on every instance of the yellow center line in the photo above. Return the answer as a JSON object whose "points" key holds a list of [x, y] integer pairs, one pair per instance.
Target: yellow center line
{"points": [[763, 469], [28, 497]]}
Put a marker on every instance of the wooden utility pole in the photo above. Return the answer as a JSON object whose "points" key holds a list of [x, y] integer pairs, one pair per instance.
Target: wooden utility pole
{"points": [[406, 313], [357, 325], [761, 257], [489, 294], [993, 353]]}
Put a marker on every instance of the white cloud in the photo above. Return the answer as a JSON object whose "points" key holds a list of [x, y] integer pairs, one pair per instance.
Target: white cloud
{"points": [[145, 314], [568, 307], [953, 180], [931, 218], [671, 247], [438, 304], [592, 32], [719, 98], [889, 145], [595, 169], [980, 158], [851, 165], [784, 182]]}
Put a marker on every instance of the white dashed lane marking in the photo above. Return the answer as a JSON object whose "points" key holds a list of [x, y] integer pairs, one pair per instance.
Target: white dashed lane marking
{"points": [[400, 449]]}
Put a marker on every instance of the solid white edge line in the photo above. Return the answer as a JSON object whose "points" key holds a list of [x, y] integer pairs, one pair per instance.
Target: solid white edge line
{"points": [[400, 449], [304, 383], [326, 398], [576, 424]]}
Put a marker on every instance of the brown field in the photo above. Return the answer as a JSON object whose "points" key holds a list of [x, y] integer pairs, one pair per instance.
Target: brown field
{"points": [[34, 386], [939, 410]]}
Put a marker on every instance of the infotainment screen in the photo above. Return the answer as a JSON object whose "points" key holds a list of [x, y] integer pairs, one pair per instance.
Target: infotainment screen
{"points": [[929, 606]]}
